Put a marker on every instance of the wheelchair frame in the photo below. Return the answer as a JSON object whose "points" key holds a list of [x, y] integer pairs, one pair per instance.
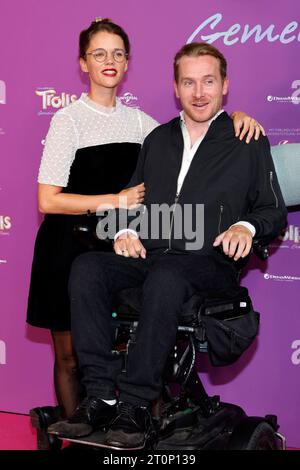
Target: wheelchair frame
{"points": [[190, 419]]}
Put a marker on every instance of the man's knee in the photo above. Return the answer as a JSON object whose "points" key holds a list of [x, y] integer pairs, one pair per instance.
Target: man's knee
{"points": [[85, 268]]}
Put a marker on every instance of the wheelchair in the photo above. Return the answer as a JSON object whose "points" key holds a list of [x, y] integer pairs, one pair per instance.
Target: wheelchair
{"points": [[185, 416]]}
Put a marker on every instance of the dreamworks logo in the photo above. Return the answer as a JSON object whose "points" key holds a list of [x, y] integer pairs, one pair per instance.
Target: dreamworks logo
{"points": [[2, 92], [293, 98], [2, 352], [283, 277], [51, 101], [129, 99], [295, 357], [5, 224]]}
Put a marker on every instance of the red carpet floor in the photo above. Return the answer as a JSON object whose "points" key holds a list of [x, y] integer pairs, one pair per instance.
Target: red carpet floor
{"points": [[16, 432]]}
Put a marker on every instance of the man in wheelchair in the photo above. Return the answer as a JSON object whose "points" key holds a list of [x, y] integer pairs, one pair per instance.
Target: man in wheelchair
{"points": [[221, 192]]}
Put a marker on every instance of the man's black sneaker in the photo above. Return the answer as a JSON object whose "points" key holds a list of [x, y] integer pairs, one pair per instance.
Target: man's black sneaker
{"points": [[132, 428], [92, 413]]}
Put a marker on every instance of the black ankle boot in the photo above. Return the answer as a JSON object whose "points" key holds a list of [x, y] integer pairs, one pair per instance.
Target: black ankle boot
{"points": [[42, 417]]}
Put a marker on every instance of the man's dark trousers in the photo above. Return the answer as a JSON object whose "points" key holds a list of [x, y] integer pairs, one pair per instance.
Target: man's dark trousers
{"points": [[168, 280]]}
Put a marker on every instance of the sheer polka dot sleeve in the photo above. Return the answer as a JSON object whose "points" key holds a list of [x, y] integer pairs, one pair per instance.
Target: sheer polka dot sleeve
{"points": [[59, 151], [147, 123]]}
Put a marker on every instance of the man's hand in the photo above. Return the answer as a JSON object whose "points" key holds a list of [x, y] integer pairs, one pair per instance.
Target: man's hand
{"points": [[129, 245], [244, 123], [236, 242]]}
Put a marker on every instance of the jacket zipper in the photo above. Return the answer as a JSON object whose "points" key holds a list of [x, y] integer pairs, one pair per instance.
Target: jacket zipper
{"points": [[172, 221], [220, 217], [272, 187]]}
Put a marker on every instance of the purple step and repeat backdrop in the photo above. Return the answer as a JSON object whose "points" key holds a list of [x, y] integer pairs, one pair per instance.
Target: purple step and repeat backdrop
{"points": [[39, 74]]}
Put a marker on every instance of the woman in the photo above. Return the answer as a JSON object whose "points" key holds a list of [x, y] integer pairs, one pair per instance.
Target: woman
{"points": [[90, 153]]}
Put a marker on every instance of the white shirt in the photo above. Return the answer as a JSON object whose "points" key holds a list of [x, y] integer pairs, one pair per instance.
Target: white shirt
{"points": [[189, 150]]}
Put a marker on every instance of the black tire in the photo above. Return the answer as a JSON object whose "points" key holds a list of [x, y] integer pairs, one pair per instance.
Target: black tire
{"points": [[263, 438], [253, 433]]}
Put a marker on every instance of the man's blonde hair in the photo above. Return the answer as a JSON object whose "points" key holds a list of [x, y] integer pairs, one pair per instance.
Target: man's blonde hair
{"points": [[196, 49]]}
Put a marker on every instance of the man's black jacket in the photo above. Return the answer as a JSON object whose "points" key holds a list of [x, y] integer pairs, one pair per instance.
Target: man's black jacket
{"points": [[233, 180]]}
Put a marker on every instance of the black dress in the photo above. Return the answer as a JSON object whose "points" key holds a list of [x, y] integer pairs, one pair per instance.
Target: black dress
{"points": [[100, 169]]}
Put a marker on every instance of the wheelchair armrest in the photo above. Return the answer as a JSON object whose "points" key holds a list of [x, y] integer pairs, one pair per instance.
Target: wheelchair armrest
{"points": [[261, 248]]}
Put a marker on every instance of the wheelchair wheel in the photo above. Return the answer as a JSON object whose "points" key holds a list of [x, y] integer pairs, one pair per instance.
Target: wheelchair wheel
{"points": [[253, 433], [263, 438]]}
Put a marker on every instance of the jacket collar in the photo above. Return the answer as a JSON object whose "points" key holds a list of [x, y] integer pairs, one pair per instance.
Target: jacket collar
{"points": [[217, 124]]}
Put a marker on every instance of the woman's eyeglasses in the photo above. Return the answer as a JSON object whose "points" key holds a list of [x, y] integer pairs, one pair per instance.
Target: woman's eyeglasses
{"points": [[100, 55]]}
